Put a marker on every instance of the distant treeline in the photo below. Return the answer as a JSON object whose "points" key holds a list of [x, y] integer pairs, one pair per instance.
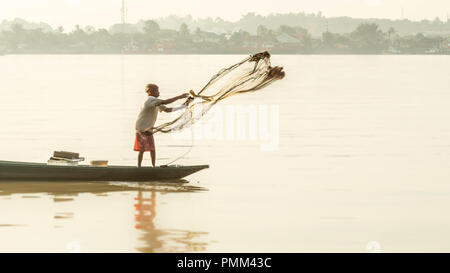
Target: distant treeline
{"points": [[151, 37], [315, 23]]}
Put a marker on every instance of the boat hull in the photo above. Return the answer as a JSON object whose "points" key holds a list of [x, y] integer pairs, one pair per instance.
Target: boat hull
{"points": [[24, 171]]}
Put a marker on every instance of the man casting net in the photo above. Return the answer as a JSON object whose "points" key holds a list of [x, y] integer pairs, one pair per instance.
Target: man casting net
{"points": [[251, 74]]}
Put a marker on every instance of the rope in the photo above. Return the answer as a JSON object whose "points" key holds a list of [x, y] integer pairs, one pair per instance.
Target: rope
{"points": [[188, 151]]}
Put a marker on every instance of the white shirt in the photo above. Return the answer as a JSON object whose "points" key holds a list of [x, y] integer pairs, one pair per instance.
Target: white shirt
{"points": [[148, 114]]}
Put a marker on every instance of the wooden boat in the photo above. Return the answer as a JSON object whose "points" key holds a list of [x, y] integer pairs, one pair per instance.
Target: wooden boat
{"points": [[25, 171]]}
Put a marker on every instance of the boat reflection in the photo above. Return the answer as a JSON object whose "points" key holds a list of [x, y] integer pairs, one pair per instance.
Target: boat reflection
{"points": [[158, 240], [74, 188]]}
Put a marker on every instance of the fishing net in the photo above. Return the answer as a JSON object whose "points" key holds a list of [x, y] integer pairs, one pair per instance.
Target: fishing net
{"points": [[251, 74]]}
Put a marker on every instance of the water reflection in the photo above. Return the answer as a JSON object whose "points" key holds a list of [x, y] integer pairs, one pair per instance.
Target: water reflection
{"points": [[157, 240], [59, 189], [63, 215], [175, 186], [149, 237]]}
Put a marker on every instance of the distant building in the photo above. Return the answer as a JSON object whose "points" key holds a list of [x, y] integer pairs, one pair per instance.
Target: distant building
{"points": [[393, 50], [268, 45], [287, 39], [206, 37], [437, 33], [164, 46], [133, 48], [286, 43]]}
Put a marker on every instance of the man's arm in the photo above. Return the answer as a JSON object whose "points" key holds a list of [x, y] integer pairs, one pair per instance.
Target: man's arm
{"points": [[172, 109], [169, 101]]}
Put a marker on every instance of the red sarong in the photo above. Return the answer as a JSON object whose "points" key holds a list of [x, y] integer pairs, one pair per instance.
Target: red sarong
{"points": [[144, 142]]}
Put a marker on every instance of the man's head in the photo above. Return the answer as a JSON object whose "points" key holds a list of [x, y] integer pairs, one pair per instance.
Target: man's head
{"points": [[152, 90]]}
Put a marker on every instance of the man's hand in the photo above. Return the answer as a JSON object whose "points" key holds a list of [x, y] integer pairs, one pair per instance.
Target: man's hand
{"points": [[188, 101]]}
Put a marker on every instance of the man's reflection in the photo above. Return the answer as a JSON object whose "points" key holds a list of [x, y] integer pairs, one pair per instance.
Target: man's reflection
{"points": [[157, 240]]}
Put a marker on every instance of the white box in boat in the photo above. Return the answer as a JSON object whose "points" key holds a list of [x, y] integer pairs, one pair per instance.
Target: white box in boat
{"points": [[62, 162]]}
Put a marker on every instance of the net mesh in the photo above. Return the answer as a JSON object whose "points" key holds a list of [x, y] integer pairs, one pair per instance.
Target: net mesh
{"points": [[251, 74]]}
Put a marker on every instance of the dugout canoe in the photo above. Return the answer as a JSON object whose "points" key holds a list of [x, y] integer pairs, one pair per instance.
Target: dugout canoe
{"points": [[26, 171]]}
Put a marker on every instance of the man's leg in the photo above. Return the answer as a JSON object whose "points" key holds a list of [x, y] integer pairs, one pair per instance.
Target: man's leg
{"points": [[151, 143], [153, 154], [140, 156]]}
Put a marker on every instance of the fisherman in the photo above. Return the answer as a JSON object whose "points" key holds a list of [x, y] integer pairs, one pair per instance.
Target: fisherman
{"points": [[146, 120]]}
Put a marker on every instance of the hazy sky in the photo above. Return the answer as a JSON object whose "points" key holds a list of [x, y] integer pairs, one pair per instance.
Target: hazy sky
{"points": [[103, 13]]}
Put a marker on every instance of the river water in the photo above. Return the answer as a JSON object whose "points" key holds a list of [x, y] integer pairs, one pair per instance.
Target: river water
{"points": [[355, 157]]}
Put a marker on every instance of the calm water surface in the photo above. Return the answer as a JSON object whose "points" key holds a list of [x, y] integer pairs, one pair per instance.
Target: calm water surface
{"points": [[362, 162]]}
